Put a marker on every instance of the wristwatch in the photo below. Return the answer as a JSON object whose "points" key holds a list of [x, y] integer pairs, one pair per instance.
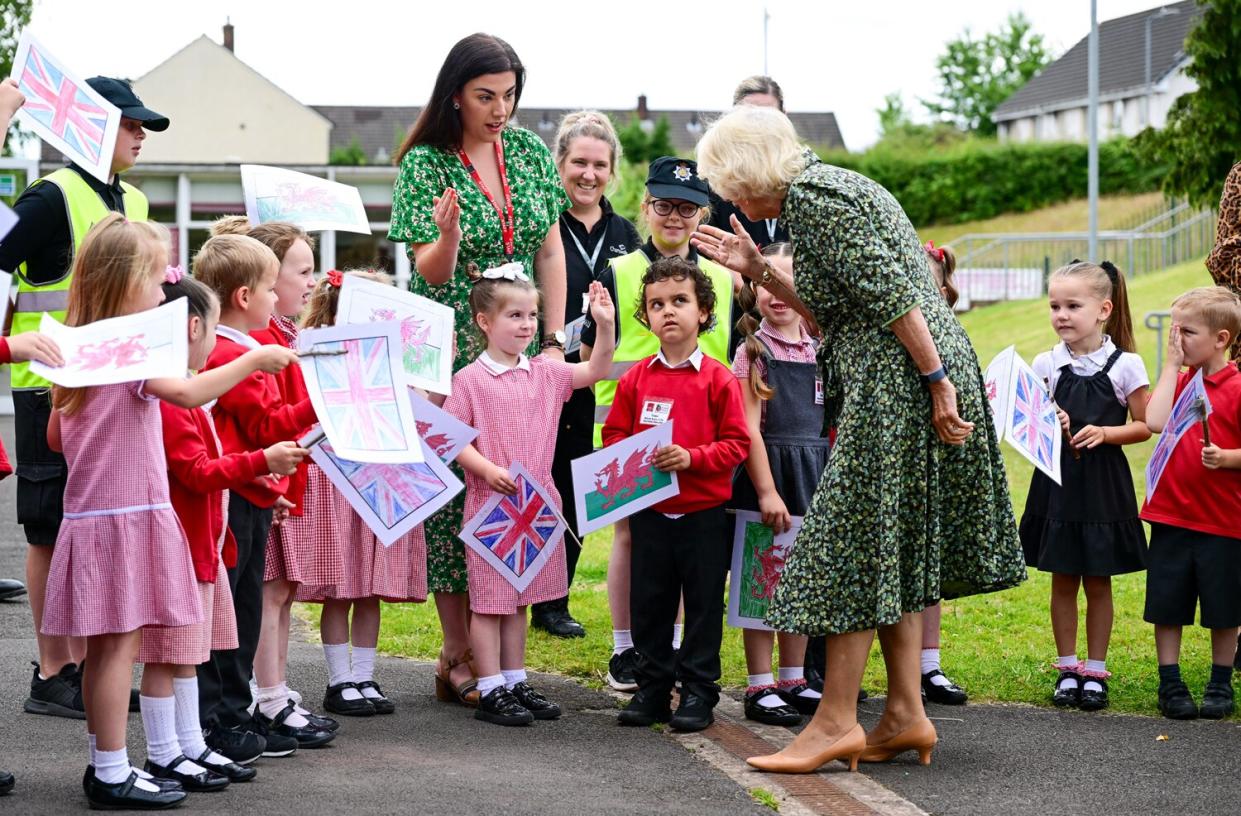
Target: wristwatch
{"points": [[554, 340]]}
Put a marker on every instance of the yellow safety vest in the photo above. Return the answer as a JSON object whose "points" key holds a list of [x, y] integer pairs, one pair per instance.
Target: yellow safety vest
{"points": [[84, 208], [637, 342]]}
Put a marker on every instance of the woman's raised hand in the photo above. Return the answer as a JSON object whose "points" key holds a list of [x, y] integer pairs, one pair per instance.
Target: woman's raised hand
{"points": [[447, 212], [735, 251]]}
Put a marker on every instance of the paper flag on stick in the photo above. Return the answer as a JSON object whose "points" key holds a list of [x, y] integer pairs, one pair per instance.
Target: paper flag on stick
{"points": [[1024, 412], [1192, 405], [516, 534], [619, 480]]}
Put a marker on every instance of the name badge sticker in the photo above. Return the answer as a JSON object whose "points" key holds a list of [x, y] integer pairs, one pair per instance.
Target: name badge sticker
{"points": [[573, 334], [818, 391], [655, 411]]}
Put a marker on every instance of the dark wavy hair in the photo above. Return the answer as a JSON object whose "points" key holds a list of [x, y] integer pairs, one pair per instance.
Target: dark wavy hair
{"points": [[677, 268], [439, 124]]}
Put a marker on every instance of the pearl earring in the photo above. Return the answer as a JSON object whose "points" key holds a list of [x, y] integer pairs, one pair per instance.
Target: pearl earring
{"points": [[456, 106]]}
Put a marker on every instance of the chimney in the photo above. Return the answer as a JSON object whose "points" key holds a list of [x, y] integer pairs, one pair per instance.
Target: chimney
{"points": [[643, 112], [228, 34]]}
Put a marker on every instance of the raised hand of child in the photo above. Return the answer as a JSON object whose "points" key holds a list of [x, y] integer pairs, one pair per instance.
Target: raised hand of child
{"points": [[1089, 437], [670, 458], [601, 308], [271, 358], [446, 212], [35, 346], [499, 480], [775, 512], [284, 457], [1175, 355], [1064, 420], [1212, 457], [280, 511]]}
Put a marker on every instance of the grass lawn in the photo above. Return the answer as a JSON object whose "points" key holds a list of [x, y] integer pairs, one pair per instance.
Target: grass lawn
{"points": [[1115, 212], [999, 647]]}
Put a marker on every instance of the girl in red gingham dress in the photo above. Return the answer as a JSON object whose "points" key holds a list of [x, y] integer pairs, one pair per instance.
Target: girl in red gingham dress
{"points": [[514, 402], [368, 571], [198, 480], [121, 560]]}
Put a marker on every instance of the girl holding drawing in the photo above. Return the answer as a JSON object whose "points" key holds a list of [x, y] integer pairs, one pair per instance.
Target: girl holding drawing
{"points": [[121, 560], [788, 452], [368, 571], [486, 395], [1086, 529], [475, 189]]}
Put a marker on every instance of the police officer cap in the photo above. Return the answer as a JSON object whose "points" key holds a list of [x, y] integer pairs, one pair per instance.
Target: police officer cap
{"points": [[670, 177], [118, 92]]}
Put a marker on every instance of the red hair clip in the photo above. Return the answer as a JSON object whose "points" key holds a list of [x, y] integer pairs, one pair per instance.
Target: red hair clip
{"points": [[935, 252], [335, 277]]}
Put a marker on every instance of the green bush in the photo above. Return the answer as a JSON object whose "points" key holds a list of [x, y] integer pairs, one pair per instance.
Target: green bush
{"points": [[978, 179]]}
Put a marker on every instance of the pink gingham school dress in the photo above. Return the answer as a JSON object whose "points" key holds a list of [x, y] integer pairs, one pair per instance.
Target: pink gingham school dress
{"points": [[395, 574], [516, 412], [308, 549], [121, 560]]}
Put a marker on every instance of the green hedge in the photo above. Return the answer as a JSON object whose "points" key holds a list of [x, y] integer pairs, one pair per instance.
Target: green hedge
{"points": [[983, 180]]}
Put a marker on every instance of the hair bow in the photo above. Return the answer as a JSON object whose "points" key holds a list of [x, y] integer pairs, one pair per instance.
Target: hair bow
{"points": [[935, 252], [173, 274], [513, 271], [335, 277]]}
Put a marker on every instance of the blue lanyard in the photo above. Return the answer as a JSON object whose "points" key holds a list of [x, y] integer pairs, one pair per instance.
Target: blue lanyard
{"points": [[590, 260]]}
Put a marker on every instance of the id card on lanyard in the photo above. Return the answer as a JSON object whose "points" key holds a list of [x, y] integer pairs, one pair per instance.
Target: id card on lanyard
{"points": [[505, 213]]}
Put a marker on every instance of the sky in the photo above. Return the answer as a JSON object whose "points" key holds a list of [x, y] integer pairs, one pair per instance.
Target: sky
{"points": [[828, 55]]}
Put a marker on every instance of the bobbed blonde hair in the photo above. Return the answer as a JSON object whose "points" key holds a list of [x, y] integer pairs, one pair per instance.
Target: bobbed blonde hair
{"points": [[751, 152]]}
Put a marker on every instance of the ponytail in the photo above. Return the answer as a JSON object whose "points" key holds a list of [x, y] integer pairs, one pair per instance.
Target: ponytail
{"points": [[747, 326], [1120, 323]]}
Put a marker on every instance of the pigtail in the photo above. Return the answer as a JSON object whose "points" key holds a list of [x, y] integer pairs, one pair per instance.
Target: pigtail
{"points": [[1120, 323], [747, 325], [943, 264]]}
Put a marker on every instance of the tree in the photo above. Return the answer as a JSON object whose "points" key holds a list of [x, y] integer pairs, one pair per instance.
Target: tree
{"points": [[977, 75], [350, 155], [14, 16], [643, 142], [1202, 137], [893, 116]]}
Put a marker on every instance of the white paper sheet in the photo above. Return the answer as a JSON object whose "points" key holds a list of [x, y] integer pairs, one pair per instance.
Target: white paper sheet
{"points": [[144, 346]]}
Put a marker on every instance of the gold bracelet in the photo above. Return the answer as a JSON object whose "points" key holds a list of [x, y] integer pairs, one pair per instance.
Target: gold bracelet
{"points": [[766, 278]]}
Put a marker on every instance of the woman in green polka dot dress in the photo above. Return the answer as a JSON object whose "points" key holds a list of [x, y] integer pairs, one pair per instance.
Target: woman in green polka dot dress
{"points": [[473, 189]]}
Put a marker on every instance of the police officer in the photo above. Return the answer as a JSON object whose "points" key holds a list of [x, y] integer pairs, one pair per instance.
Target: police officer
{"points": [[55, 214]]}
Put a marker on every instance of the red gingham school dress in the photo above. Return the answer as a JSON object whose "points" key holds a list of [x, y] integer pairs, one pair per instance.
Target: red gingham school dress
{"points": [[307, 549], [121, 560], [516, 414], [395, 574]]}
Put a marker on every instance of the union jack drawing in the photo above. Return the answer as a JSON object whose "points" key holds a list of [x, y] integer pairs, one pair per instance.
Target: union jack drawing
{"points": [[519, 529], [1182, 417], [359, 395], [393, 492], [60, 105], [1034, 425]]}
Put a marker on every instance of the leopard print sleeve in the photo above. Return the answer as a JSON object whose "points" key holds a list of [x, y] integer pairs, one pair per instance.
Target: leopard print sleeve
{"points": [[1224, 262]]}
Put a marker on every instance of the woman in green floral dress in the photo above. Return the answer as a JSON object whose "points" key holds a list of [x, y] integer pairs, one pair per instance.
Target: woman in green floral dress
{"points": [[914, 504], [474, 190]]}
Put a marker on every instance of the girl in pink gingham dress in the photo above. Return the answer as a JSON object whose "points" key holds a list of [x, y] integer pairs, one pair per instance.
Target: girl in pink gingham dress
{"points": [[367, 570], [121, 560], [514, 402]]}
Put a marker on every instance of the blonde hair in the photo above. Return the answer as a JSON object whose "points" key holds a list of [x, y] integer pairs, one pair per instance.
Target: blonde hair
{"points": [[1216, 306], [278, 236], [321, 310], [751, 151], [1108, 283], [749, 322], [113, 263], [230, 225], [228, 262], [590, 124]]}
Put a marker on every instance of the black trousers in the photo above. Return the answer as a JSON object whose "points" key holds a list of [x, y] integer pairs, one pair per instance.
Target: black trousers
{"points": [[224, 680], [687, 556], [41, 471], [574, 438]]}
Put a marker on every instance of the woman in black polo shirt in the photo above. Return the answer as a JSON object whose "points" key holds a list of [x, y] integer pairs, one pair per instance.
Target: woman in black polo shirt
{"points": [[587, 154]]}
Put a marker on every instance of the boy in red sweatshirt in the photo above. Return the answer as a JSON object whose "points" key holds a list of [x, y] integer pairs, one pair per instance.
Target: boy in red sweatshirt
{"points": [[681, 545], [243, 271]]}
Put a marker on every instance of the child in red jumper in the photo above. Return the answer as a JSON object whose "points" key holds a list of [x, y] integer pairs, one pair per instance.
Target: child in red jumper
{"points": [[243, 273], [681, 545]]}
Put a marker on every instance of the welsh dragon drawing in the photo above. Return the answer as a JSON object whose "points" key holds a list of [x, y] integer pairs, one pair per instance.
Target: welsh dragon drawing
{"points": [[616, 483], [768, 565], [112, 353]]}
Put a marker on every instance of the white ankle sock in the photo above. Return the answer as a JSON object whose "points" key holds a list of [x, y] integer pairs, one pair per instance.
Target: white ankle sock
{"points": [[337, 656], [487, 684], [791, 673], [112, 767], [189, 730], [930, 660], [756, 680], [363, 664], [159, 720], [1092, 684], [622, 639], [273, 699], [1067, 661], [512, 677], [90, 740], [677, 630]]}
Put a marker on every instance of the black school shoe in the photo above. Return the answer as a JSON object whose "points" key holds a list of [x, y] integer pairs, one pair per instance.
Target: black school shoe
{"points": [[1093, 700], [125, 796], [59, 695], [1175, 702], [7, 781], [206, 781], [620, 670], [234, 772], [501, 707], [804, 704], [646, 708], [694, 714], [164, 784], [951, 694], [11, 588], [239, 744], [535, 703], [305, 736], [381, 704], [1217, 701], [1067, 697], [783, 714], [554, 619], [335, 702]]}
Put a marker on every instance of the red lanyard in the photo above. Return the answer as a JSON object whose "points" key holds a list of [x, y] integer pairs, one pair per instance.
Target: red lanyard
{"points": [[506, 212]]}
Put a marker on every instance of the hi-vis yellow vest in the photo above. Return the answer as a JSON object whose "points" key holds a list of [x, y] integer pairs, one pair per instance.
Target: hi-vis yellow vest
{"points": [[84, 208], [637, 342]]}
